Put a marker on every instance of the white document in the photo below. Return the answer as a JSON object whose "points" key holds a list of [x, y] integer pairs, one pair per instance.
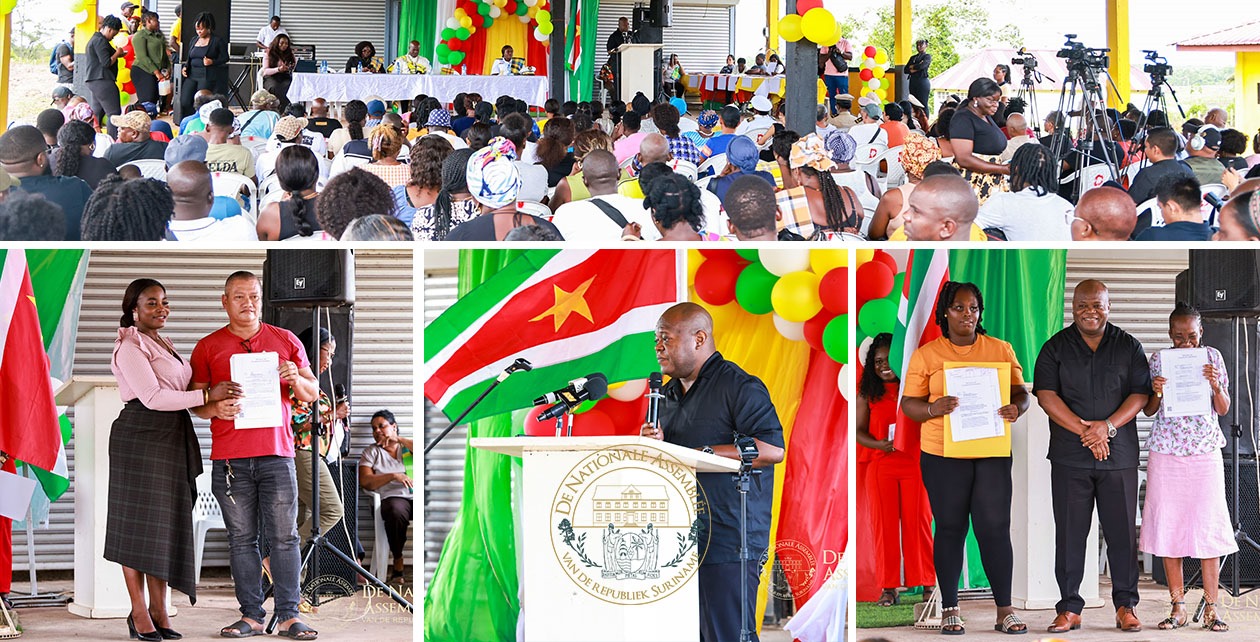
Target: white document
{"points": [[1187, 392], [979, 398], [15, 495], [892, 431], [258, 373]]}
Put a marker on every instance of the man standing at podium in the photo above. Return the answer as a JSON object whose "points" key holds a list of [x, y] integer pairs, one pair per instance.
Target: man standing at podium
{"points": [[617, 38], [709, 403], [253, 467]]}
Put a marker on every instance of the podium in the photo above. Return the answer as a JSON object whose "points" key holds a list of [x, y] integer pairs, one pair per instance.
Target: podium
{"points": [[638, 69], [608, 532]]}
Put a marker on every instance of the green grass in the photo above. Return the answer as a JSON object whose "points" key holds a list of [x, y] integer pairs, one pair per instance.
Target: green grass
{"points": [[870, 616]]}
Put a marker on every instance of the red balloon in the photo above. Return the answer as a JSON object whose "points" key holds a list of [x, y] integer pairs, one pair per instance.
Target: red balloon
{"points": [[874, 281], [534, 428], [834, 290], [129, 87], [720, 255], [866, 75], [886, 259], [715, 281], [803, 6], [626, 416], [869, 51], [815, 326], [455, 44], [593, 423]]}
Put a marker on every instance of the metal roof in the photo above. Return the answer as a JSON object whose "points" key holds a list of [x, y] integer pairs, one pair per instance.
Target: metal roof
{"points": [[1244, 37]]}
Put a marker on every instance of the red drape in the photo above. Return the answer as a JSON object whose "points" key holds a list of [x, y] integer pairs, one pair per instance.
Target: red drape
{"points": [[815, 510]]}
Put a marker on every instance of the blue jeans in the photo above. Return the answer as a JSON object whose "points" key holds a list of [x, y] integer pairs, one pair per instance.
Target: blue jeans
{"points": [[836, 85], [245, 489]]}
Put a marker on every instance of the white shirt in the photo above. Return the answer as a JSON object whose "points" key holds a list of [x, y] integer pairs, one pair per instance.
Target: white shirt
{"points": [[583, 221], [862, 133], [501, 67], [1024, 216], [823, 131], [761, 121], [531, 153], [233, 229], [267, 34], [455, 141], [409, 65], [687, 125], [265, 164]]}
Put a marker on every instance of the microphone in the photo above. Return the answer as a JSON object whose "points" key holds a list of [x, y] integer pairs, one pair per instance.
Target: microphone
{"points": [[654, 398], [520, 365], [567, 393], [594, 386]]}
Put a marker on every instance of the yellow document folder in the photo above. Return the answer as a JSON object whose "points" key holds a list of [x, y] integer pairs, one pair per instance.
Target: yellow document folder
{"points": [[993, 446]]}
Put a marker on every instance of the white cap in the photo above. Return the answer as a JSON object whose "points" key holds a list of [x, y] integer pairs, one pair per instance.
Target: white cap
{"points": [[762, 104]]}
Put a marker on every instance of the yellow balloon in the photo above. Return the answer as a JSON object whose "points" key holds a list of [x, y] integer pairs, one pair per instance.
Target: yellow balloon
{"points": [[694, 259], [835, 37], [824, 261], [466, 22], [790, 28], [818, 24], [878, 72], [864, 256], [124, 75], [795, 296], [460, 14], [881, 58]]}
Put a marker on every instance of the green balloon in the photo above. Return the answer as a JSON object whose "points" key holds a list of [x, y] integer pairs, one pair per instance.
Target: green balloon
{"points": [[749, 255], [483, 9], [879, 315], [487, 22], [835, 339], [753, 287], [898, 281], [448, 33], [861, 338], [443, 50], [462, 33], [521, 9], [456, 57]]}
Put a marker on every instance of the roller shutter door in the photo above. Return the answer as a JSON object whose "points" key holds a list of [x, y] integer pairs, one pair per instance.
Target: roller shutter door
{"points": [[335, 27], [444, 466], [700, 33]]}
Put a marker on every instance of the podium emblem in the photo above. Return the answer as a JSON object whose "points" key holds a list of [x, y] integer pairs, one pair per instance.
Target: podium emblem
{"points": [[626, 525]]}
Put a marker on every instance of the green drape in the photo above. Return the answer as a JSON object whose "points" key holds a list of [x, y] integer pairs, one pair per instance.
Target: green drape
{"points": [[1023, 295], [581, 84], [474, 593], [417, 20]]}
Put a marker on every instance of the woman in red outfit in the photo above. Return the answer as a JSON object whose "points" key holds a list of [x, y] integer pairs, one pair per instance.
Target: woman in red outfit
{"points": [[899, 504]]}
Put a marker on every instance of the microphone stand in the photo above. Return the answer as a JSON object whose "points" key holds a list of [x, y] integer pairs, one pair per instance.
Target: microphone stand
{"points": [[743, 481], [519, 364]]}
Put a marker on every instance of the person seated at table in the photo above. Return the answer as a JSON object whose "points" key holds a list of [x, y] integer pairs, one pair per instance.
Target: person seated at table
{"points": [[759, 67], [729, 67], [365, 58], [741, 66], [412, 62], [774, 66], [503, 66]]}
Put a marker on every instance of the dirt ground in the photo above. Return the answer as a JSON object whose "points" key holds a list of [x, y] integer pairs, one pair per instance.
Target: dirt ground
{"points": [[30, 91]]}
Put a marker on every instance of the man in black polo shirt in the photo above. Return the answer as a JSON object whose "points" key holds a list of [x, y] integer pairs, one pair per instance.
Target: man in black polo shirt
{"points": [[709, 401], [1092, 379]]}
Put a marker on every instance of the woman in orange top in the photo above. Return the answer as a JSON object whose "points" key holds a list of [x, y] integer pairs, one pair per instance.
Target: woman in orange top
{"points": [[899, 506], [962, 491]]}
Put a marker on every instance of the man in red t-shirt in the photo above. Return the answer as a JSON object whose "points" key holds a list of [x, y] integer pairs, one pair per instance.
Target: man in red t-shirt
{"points": [[253, 467]]}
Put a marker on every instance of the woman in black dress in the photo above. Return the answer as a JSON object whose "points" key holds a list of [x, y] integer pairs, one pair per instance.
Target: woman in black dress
{"points": [[917, 68], [154, 462], [101, 73], [207, 64], [977, 140]]}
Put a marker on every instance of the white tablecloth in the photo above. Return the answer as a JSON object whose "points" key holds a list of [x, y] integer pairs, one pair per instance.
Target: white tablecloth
{"points": [[345, 87]]}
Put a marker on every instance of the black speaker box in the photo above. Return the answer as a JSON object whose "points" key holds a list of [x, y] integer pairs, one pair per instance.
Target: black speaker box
{"points": [[1241, 364], [1225, 282], [339, 321], [1247, 558], [1184, 288], [306, 278]]}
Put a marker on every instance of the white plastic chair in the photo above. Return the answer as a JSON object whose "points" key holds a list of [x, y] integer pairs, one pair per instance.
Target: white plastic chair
{"points": [[537, 209], [685, 168], [716, 163], [625, 164], [1090, 176], [341, 163], [1132, 170], [866, 154], [206, 515], [1216, 189], [756, 133], [230, 184], [149, 168], [380, 546], [1157, 214]]}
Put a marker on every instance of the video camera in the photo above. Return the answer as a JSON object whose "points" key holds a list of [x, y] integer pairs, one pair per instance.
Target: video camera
{"points": [[1024, 59], [1159, 67], [1080, 57]]}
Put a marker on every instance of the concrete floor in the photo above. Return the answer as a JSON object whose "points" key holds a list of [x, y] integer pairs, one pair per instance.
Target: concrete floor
{"points": [[374, 617], [1242, 614]]}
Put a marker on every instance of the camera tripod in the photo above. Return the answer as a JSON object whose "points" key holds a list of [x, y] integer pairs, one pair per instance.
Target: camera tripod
{"points": [[1028, 96], [1096, 144]]}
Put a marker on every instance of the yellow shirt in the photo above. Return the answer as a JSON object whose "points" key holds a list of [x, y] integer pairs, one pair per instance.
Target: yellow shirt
{"points": [[977, 234], [926, 376]]}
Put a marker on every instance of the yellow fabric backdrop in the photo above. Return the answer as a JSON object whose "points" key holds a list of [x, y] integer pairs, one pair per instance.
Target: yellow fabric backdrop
{"points": [[752, 342], [507, 30]]}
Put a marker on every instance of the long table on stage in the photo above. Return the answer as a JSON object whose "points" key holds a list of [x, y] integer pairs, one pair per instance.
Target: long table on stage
{"points": [[714, 88], [346, 87]]}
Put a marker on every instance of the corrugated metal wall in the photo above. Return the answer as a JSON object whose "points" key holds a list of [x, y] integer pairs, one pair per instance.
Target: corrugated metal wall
{"points": [[700, 33], [444, 466], [335, 27], [248, 16], [383, 370]]}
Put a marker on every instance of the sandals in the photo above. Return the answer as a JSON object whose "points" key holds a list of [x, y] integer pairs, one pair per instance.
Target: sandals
{"points": [[952, 621], [888, 598], [1211, 622], [1171, 622], [1011, 625], [239, 629], [299, 631]]}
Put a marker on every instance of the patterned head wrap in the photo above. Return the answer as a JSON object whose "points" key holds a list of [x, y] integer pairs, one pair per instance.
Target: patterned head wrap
{"points": [[841, 146], [492, 178], [439, 118], [811, 151], [708, 118], [81, 111], [918, 153]]}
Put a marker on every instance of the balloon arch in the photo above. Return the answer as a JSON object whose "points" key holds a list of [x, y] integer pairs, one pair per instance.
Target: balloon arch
{"points": [[471, 15]]}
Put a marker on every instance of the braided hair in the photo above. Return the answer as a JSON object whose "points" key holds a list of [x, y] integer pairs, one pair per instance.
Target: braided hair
{"points": [[454, 181], [70, 139], [127, 210], [833, 200], [1033, 166], [946, 299], [871, 386], [672, 198], [297, 169], [385, 141], [356, 116]]}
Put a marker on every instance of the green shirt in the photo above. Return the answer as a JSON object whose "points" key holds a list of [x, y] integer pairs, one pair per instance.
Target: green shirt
{"points": [[151, 54]]}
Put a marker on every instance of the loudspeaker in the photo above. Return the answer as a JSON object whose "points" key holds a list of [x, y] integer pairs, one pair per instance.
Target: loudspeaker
{"points": [[1247, 558], [346, 476], [645, 30], [1220, 334], [1225, 282], [662, 12], [305, 278], [338, 321], [1184, 289]]}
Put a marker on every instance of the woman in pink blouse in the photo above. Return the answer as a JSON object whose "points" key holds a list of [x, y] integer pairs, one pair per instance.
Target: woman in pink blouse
{"points": [[154, 461], [1185, 514]]}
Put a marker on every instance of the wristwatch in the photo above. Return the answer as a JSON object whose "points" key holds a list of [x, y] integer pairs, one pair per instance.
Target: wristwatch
{"points": [[1111, 430], [707, 449]]}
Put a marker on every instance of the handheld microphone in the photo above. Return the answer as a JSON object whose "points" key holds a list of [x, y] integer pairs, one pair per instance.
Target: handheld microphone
{"points": [[654, 399], [567, 393], [595, 386], [520, 365]]}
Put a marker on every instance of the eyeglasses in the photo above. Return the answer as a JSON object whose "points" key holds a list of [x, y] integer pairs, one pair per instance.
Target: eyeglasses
{"points": [[247, 347]]}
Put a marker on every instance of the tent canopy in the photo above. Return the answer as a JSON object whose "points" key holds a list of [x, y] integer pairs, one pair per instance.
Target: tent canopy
{"points": [[1052, 68]]}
